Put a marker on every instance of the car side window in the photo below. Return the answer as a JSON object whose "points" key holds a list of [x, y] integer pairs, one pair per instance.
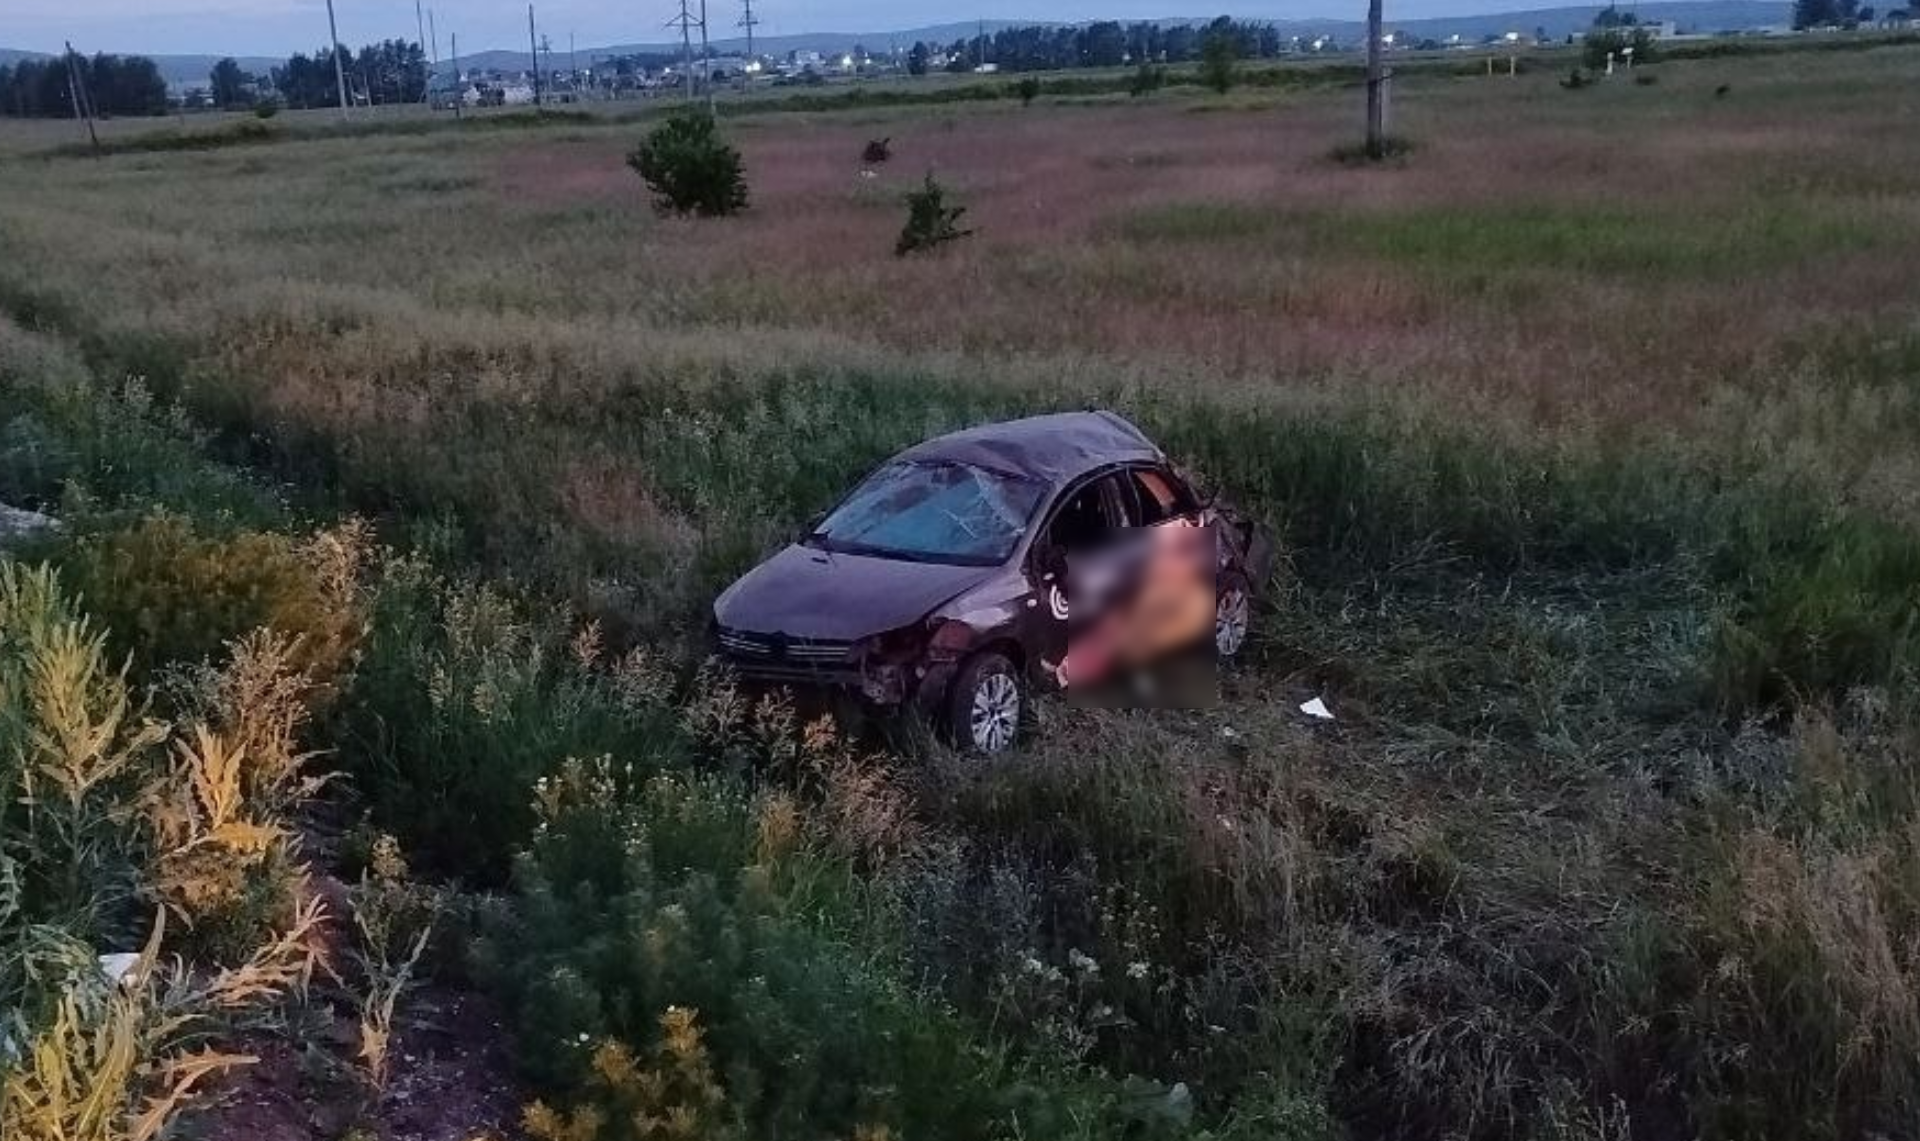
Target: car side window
{"points": [[1158, 495], [1086, 520]]}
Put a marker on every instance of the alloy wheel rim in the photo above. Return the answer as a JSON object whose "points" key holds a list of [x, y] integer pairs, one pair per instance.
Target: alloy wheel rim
{"points": [[996, 712]]}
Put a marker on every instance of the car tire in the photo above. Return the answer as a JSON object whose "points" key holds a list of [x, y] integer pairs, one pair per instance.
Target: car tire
{"points": [[987, 704], [1232, 616]]}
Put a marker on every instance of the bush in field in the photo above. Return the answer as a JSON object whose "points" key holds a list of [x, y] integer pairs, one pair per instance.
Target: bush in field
{"points": [[661, 955], [466, 697], [1146, 79], [1028, 89], [690, 168], [930, 221], [196, 822], [69, 724], [1219, 58], [1600, 44], [169, 595], [90, 1055]]}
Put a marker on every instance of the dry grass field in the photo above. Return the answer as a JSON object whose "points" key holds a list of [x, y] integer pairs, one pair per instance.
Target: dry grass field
{"points": [[1592, 429]]}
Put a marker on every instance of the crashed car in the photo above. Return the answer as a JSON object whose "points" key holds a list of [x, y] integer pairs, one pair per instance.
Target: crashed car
{"points": [[938, 583]]}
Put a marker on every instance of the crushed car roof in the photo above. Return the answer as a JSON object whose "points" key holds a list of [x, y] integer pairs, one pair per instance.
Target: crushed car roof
{"points": [[1055, 448]]}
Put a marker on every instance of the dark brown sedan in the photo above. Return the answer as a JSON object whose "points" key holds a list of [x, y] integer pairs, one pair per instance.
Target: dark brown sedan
{"points": [[940, 582]]}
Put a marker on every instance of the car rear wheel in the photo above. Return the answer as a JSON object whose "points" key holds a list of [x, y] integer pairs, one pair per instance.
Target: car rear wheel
{"points": [[1232, 617], [987, 704]]}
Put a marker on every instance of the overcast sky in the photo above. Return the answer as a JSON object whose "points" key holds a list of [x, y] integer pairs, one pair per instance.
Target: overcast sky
{"points": [[277, 27]]}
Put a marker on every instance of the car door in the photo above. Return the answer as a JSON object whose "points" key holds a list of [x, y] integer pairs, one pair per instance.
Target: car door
{"points": [[1086, 520]]}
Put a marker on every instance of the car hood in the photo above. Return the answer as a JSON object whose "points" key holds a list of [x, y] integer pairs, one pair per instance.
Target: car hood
{"points": [[805, 592]]}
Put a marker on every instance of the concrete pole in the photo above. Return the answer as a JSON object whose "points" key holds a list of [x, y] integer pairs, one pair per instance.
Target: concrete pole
{"points": [[339, 68], [1376, 102]]}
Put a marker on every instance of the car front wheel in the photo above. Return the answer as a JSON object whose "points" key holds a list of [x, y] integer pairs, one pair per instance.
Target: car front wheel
{"points": [[986, 704]]}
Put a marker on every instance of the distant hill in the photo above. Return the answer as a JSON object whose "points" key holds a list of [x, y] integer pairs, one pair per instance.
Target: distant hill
{"points": [[826, 43], [1688, 15]]}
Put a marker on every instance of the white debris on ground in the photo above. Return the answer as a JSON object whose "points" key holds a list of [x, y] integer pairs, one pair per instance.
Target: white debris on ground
{"points": [[119, 968], [17, 525], [1316, 709]]}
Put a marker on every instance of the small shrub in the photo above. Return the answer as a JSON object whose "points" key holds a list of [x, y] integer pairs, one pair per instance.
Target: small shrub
{"points": [[118, 1059], [265, 110], [1575, 80], [930, 221], [877, 151], [464, 699], [1601, 44], [1146, 79], [394, 919], [643, 901], [1027, 89], [171, 596], [1645, 79], [690, 168], [85, 1056], [1219, 62]]}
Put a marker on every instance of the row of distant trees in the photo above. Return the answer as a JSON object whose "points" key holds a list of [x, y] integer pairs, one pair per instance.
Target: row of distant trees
{"points": [[1104, 43], [117, 85], [392, 71]]}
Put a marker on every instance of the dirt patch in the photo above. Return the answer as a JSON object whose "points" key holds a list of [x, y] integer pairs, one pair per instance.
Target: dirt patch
{"points": [[451, 1081]]}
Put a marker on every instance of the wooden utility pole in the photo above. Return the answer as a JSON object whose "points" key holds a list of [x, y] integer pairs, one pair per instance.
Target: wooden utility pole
{"points": [[1376, 86], [533, 46], [459, 88], [77, 91]]}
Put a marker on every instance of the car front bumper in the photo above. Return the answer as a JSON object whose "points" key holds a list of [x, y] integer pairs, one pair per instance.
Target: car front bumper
{"points": [[888, 685]]}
